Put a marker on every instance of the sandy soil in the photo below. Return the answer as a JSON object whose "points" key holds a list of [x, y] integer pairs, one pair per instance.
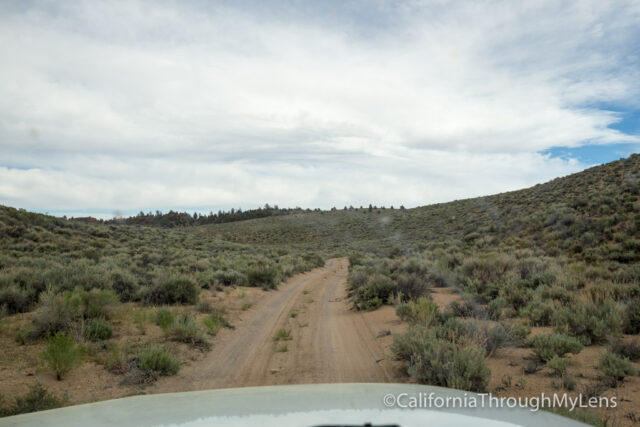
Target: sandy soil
{"points": [[445, 296], [330, 341]]}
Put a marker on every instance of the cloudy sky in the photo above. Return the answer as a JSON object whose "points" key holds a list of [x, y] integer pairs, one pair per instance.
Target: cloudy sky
{"points": [[200, 105]]}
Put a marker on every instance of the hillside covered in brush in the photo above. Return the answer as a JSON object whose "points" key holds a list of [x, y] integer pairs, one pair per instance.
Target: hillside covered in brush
{"points": [[593, 215]]}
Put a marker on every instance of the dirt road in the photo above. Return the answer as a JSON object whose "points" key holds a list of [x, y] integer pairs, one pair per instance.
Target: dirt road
{"points": [[329, 341]]}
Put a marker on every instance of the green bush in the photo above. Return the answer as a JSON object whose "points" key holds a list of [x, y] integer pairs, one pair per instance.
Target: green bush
{"points": [[184, 329], [626, 348], [374, 293], [164, 318], [423, 311], [632, 316], [357, 278], [486, 269], [230, 278], [61, 354], [496, 306], [97, 330], [517, 295], [175, 289], [539, 312], [434, 361], [313, 260], [36, 399], [546, 347], [22, 335], [495, 338], [15, 300], [56, 313], [262, 274], [158, 359], [283, 335], [519, 333], [96, 303], [215, 321], [412, 285], [125, 285], [615, 366], [461, 309], [591, 323], [558, 364], [453, 329], [141, 319]]}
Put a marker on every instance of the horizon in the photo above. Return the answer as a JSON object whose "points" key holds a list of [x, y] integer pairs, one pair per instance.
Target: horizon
{"points": [[133, 213], [195, 107]]}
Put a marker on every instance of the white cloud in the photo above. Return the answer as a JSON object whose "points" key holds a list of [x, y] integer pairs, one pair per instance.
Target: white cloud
{"points": [[134, 105]]}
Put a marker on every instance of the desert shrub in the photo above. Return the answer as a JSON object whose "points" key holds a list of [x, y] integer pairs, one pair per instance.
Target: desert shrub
{"points": [[569, 381], [230, 278], [158, 359], [374, 293], [517, 295], [56, 313], [36, 399], [355, 258], [439, 279], [527, 268], [116, 358], [96, 303], [462, 332], [215, 321], [61, 354], [519, 333], [615, 366], [539, 312], [461, 309], [206, 279], [487, 268], [495, 307], [560, 294], [283, 335], [15, 300], [452, 329], [439, 362], [545, 347], [164, 318], [632, 316], [22, 335], [313, 261], [591, 323], [422, 311], [125, 285], [495, 338], [357, 278], [558, 364], [412, 286], [141, 319], [97, 330], [175, 289], [262, 274], [629, 348], [82, 273], [185, 329]]}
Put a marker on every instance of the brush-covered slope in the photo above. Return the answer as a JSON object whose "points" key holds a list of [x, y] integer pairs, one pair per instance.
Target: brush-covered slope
{"points": [[594, 214], [591, 214]]}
